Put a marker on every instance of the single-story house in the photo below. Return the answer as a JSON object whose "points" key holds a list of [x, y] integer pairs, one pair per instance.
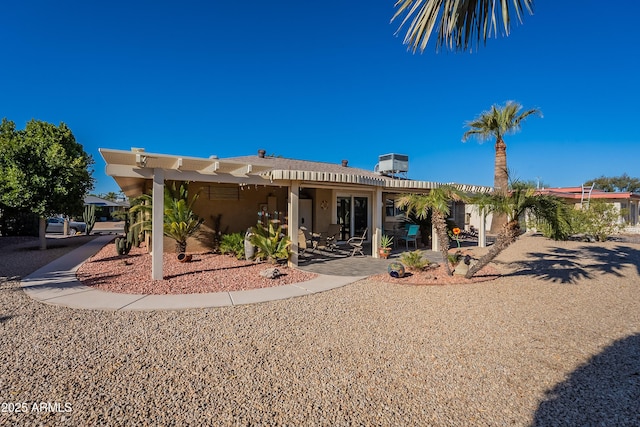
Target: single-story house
{"points": [[627, 203], [233, 191], [105, 208]]}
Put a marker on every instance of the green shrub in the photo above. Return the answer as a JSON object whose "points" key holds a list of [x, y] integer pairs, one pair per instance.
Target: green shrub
{"points": [[232, 244], [414, 260], [271, 243], [599, 221]]}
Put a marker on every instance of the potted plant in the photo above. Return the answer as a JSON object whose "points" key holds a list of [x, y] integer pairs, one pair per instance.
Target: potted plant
{"points": [[385, 246]]}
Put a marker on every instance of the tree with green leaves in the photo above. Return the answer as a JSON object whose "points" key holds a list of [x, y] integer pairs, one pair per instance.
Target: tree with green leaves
{"points": [[621, 183], [514, 205], [461, 24], [43, 170], [438, 202]]}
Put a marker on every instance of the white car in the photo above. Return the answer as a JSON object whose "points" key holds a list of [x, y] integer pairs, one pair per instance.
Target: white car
{"points": [[56, 225]]}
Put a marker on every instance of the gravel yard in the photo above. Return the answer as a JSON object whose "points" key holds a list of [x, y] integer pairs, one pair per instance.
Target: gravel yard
{"points": [[554, 341], [206, 272]]}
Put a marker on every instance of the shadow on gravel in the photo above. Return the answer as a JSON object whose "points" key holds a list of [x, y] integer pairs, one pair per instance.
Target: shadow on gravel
{"points": [[117, 258], [570, 265], [603, 392], [204, 270], [5, 318]]}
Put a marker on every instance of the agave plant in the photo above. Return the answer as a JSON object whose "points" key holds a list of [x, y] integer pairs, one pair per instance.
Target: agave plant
{"points": [[271, 243]]}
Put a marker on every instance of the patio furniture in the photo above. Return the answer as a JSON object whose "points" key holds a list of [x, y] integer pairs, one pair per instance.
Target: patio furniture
{"points": [[332, 235], [305, 241], [411, 235], [356, 243]]}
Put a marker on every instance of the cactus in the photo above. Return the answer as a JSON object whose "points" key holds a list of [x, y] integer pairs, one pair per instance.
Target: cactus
{"points": [[89, 216], [123, 245], [132, 228]]}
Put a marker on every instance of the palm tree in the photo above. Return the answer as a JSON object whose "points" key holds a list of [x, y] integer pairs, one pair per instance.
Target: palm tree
{"points": [[461, 23], [437, 201], [514, 205], [496, 123]]}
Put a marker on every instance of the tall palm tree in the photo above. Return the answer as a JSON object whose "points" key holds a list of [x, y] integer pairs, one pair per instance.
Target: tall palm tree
{"points": [[438, 202], [461, 23], [514, 205], [496, 123]]}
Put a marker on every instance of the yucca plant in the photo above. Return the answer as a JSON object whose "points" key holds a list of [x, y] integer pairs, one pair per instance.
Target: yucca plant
{"points": [[271, 243]]}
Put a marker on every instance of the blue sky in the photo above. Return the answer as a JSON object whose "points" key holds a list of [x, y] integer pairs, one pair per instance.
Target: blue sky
{"points": [[326, 81]]}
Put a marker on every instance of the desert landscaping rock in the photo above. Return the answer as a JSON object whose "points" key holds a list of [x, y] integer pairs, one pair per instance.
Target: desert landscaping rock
{"points": [[554, 341], [206, 272]]}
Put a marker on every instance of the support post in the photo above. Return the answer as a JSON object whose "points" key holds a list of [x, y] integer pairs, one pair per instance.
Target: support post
{"points": [[157, 224], [435, 243], [377, 223], [482, 233], [292, 207]]}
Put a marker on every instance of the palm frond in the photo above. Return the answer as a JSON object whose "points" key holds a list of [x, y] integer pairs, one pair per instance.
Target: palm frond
{"points": [[461, 24]]}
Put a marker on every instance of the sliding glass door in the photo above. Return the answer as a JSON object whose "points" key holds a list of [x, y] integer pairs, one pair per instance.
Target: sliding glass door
{"points": [[353, 215]]}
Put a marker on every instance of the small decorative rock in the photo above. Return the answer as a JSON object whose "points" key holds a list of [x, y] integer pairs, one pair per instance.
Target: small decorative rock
{"points": [[396, 270], [271, 273]]}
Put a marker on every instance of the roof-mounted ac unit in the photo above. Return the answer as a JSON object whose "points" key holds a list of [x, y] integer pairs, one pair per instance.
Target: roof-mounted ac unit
{"points": [[392, 163]]}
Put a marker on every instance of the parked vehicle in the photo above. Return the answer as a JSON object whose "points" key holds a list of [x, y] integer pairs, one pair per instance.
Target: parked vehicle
{"points": [[56, 225]]}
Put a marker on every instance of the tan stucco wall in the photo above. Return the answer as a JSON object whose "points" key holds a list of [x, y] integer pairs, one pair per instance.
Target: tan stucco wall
{"points": [[235, 215], [322, 216]]}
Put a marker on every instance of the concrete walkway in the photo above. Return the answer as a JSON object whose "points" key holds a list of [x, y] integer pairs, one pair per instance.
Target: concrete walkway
{"points": [[56, 284]]}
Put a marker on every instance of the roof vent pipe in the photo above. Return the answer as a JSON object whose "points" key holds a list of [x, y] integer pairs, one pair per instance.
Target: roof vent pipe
{"points": [[345, 163], [261, 153]]}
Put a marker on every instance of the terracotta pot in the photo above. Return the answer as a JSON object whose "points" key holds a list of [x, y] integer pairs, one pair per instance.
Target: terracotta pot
{"points": [[384, 252], [182, 257]]}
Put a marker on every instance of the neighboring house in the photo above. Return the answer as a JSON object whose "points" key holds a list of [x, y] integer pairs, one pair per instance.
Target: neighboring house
{"points": [[626, 203], [105, 208], [300, 193]]}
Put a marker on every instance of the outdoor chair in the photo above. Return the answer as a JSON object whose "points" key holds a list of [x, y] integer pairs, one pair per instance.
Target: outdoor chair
{"points": [[411, 236], [304, 241], [356, 243]]}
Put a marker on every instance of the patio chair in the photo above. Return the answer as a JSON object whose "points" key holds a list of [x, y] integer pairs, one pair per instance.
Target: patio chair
{"points": [[411, 236], [356, 243], [304, 241]]}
